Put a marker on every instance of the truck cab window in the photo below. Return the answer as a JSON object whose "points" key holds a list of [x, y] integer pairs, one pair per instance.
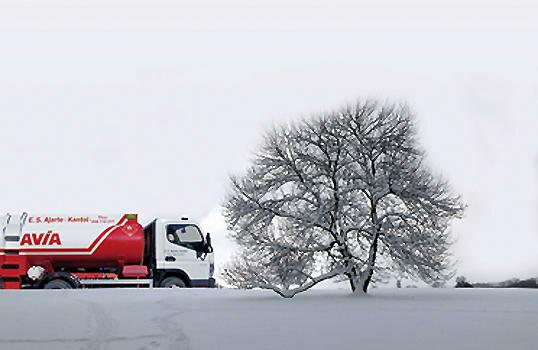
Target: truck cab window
{"points": [[188, 236]]}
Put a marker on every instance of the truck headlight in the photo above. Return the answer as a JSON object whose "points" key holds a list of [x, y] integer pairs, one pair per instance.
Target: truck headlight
{"points": [[211, 269]]}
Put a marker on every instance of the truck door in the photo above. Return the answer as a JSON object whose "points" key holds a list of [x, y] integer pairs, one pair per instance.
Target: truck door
{"points": [[183, 250]]}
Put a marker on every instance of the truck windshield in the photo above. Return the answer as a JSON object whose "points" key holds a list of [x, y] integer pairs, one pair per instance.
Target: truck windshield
{"points": [[185, 235]]}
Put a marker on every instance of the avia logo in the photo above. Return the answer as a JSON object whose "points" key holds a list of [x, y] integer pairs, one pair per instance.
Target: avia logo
{"points": [[48, 238]]}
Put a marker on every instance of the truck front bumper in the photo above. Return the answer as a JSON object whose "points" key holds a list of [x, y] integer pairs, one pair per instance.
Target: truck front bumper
{"points": [[208, 283]]}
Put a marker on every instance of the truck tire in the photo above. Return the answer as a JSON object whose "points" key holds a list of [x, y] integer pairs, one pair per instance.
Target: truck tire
{"points": [[57, 284], [173, 282]]}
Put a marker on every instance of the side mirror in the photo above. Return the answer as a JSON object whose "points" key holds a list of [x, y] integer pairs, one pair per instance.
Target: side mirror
{"points": [[209, 247]]}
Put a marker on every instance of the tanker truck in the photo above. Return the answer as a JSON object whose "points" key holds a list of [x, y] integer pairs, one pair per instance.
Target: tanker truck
{"points": [[90, 251]]}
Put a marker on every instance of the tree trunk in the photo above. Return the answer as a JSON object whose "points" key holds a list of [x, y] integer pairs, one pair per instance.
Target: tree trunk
{"points": [[354, 280], [366, 275], [367, 280]]}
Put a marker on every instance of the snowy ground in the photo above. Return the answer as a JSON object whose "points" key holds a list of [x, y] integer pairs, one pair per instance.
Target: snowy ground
{"points": [[231, 319]]}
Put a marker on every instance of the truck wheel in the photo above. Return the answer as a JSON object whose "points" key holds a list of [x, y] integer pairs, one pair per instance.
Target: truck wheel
{"points": [[57, 284], [173, 282]]}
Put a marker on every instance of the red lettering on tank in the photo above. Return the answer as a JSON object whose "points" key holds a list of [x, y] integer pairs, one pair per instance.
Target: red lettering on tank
{"points": [[78, 220], [48, 238], [50, 219], [55, 239], [37, 239], [26, 239]]}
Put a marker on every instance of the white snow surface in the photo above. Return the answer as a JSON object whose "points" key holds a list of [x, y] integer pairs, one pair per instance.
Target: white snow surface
{"points": [[239, 319]]}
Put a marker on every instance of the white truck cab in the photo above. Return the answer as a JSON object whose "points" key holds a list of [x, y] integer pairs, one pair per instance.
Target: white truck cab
{"points": [[183, 255]]}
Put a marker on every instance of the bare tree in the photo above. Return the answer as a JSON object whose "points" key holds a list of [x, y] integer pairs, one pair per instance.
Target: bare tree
{"points": [[340, 195]]}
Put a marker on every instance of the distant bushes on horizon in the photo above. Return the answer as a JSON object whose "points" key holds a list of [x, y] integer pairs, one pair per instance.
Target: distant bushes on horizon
{"points": [[461, 282]]}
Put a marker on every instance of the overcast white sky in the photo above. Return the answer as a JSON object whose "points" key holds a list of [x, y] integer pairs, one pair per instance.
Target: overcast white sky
{"points": [[148, 106]]}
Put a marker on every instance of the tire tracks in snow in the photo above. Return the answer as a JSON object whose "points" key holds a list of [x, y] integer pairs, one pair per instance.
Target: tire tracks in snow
{"points": [[105, 327], [101, 331], [104, 335], [170, 325]]}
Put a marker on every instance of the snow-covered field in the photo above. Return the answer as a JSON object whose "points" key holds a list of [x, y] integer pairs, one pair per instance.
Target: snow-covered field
{"points": [[232, 319]]}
